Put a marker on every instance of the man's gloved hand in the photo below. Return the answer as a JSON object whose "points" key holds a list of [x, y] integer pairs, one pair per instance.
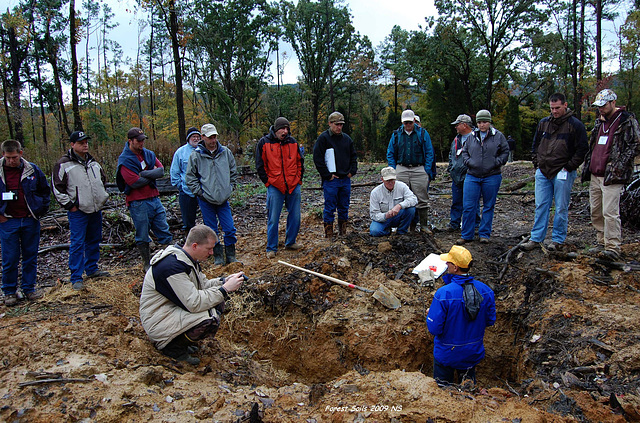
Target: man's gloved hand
{"points": [[427, 278]]}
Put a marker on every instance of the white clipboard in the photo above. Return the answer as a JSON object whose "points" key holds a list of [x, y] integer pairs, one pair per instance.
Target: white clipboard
{"points": [[433, 262]]}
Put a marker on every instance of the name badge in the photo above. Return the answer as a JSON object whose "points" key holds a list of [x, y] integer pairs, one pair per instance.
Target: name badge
{"points": [[459, 152], [9, 196], [603, 140], [562, 175], [143, 165]]}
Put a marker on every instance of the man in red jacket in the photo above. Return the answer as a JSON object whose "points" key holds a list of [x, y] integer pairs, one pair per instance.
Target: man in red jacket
{"points": [[280, 165]]}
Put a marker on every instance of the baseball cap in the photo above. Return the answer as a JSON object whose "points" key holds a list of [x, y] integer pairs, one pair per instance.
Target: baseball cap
{"points": [[388, 173], [458, 255], [336, 117], [417, 118], [408, 116], [604, 97], [462, 119], [78, 136], [208, 129], [136, 134]]}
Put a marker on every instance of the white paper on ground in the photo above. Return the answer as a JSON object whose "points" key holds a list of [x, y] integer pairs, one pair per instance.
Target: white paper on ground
{"points": [[330, 160], [433, 262]]}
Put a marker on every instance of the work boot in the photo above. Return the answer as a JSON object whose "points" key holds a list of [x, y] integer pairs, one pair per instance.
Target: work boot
{"points": [[424, 221], [342, 227], [328, 229], [10, 300], [230, 252], [218, 255], [530, 245], [143, 248], [178, 349], [34, 295]]}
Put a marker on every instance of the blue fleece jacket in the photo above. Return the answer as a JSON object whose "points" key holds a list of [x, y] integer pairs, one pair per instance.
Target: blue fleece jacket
{"points": [[458, 340]]}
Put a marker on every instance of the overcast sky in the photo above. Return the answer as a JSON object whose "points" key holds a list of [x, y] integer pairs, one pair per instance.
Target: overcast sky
{"points": [[373, 18]]}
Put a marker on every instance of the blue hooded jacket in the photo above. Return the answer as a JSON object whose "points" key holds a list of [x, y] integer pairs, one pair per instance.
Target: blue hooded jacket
{"points": [[458, 340]]}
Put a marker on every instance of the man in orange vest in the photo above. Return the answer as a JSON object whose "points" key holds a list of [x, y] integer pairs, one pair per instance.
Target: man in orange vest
{"points": [[280, 166]]}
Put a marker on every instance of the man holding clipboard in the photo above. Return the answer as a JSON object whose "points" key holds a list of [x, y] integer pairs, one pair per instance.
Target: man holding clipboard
{"points": [[335, 158]]}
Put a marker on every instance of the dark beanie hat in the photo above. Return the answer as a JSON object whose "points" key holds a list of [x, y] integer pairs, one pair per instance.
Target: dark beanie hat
{"points": [[192, 131], [280, 123]]}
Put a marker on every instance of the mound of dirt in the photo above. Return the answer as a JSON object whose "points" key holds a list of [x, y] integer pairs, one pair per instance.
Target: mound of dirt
{"points": [[295, 347]]}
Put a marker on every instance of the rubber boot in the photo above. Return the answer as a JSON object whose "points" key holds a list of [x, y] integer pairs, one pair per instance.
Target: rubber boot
{"points": [[178, 349], [230, 252], [424, 221], [218, 255], [143, 248], [342, 227], [328, 230]]}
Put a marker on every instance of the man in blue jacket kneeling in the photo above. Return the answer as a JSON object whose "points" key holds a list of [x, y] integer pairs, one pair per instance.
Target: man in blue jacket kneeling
{"points": [[458, 316]]}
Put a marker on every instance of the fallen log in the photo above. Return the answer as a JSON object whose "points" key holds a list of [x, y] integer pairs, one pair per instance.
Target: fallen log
{"points": [[66, 247]]}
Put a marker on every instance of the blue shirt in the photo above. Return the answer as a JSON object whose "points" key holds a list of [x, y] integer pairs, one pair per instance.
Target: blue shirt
{"points": [[179, 168]]}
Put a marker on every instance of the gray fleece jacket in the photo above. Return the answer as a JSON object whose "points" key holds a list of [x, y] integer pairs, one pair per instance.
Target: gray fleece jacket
{"points": [[211, 175]]}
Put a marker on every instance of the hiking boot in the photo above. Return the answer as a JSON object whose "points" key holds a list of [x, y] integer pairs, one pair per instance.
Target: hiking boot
{"points": [[98, 274], [78, 286], [294, 246], [328, 229], [10, 300], [145, 254], [596, 249], [230, 252], [218, 255], [342, 227], [424, 221], [554, 246], [461, 241], [452, 229], [611, 255], [530, 245], [271, 254], [34, 295], [178, 349], [484, 240]]}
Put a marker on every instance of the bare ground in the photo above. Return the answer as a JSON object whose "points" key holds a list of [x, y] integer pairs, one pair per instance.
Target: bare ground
{"points": [[294, 347]]}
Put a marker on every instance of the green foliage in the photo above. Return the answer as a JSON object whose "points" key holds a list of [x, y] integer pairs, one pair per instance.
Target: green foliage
{"points": [[243, 192]]}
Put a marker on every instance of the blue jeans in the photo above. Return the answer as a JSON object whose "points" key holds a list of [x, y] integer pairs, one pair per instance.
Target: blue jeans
{"points": [[19, 235], [456, 206], [474, 187], [188, 209], [445, 375], [402, 221], [84, 248], [149, 214], [337, 194], [212, 213], [548, 191], [275, 201]]}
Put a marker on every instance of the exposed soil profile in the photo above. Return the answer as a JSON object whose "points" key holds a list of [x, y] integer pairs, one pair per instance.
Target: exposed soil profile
{"points": [[297, 348]]}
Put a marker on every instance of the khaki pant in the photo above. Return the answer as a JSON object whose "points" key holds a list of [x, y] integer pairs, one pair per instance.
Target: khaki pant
{"points": [[417, 180], [605, 212]]}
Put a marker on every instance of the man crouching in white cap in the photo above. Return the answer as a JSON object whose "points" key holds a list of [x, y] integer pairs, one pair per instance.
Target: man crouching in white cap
{"points": [[391, 205]]}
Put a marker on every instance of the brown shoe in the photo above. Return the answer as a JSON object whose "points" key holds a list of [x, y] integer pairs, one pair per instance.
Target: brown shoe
{"points": [[34, 295], [530, 245], [342, 227], [271, 254], [10, 300], [484, 240], [294, 246], [461, 241], [328, 230]]}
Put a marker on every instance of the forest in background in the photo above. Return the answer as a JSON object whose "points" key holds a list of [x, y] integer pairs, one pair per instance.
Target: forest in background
{"points": [[208, 61]]}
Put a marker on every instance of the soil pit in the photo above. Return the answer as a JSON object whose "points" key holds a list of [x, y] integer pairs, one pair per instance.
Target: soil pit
{"points": [[294, 347]]}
